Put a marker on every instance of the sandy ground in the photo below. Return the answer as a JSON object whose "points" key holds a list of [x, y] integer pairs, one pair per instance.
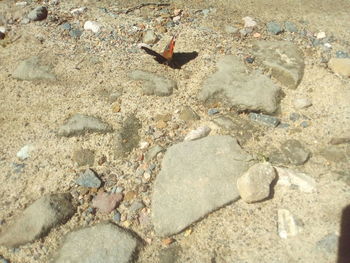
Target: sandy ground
{"points": [[31, 112]]}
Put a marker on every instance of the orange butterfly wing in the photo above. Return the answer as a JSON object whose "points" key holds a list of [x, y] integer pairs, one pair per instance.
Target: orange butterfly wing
{"points": [[169, 49]]}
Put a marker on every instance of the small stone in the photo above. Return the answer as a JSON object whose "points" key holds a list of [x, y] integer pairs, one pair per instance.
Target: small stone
{"points": [[105, 202], [302, 103], [176, 19], [150, 37], [161, 124], [84, 157], [274, 28], [254, 185], [38, 14], [78, 11], [264, 119], [287, 224], [88, 179], [213, 111], [230, 29], [290, 27], [188, 114], [250, 60], [294, 152], [168, 241], [341, 54], [38, 219], [117, 217], [302, 181], [79, 124], [198, 133], [170, 254], [24, 152], [294, 116], [143, 145], [136, 206], [328, 243], [33, 69], [320, 35], [116, 108], [92, 25], [76, 33], [304, 124], [130, 196], [205, 12], [66, 26], [340, 66], [249, 22], [152, 152], [18, 167]]}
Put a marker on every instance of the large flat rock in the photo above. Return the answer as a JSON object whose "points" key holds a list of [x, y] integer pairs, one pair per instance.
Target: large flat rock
{"points": [[37, 220], [197, 177], [233, 86], [284, 59], [102, 243]]}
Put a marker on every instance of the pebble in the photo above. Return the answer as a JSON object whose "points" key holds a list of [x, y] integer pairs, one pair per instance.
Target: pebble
{"points": [[250, 60], [249, 22], [294, 116], [231, 29], [320, 35], [143, 145], [38, 14], [88, 179], [78, 11], [18, 167], [302, 103], [92, 25], [341, 54], [287, 224], [264, 119], [117, 217], [340, 66], [84, 157], [213, 111], [304, 124], [150, 37], [152, 152], [274, 28], [21, 3], [205, 12], [24, 152], [106, 202], [66, 26], [328, 243], [294, 152], [254, 185], [136, 206], [188, 114], [290, 27], [198, 133], [289, 178], [76, 33]]}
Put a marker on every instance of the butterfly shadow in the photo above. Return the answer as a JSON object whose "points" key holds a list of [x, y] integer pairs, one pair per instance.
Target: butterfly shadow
{"points": [[178, 60]]}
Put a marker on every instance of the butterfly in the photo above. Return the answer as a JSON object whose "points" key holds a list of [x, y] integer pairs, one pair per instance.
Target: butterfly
{"points": [[167, 56]]}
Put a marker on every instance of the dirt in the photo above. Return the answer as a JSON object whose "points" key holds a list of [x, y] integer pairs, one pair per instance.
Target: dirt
{"points": [[92, 67]]}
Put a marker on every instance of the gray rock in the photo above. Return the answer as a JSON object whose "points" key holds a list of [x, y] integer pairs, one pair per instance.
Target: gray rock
{"points": [[274, 28], [31, 69], [304, 124], [150, 37], [283, 58], [294, 152], [239, 128], [188, 114], [254, 185], [66, 26], [335, 153], [79, 124], [302, 103], [341, 54], [154, 84], [102, 243], [290, 27], [84, 157], [213, 111], [170, 254], [231, 29], [127, 138], [328, 243], [232, 86], [152, 152], [75, 33], [38, 14], [88, 179], [197, 177], [38, 219], [294, 116], [264, 119]]}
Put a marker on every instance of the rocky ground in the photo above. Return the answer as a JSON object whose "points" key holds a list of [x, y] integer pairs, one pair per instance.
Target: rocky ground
{"points": [[239, 153]]}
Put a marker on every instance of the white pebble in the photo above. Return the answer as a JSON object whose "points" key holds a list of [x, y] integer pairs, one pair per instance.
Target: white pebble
{"points": [[249, 22], [144, 145], [287, 225], [23, 153], [93, 26], [78, 11], [320, 35], [21, 3], [302, 103], [197, 133], [2, 29], [288, 177]]}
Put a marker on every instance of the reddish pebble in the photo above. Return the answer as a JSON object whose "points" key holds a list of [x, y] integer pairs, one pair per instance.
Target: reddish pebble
{"points": [[105, 202]]}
